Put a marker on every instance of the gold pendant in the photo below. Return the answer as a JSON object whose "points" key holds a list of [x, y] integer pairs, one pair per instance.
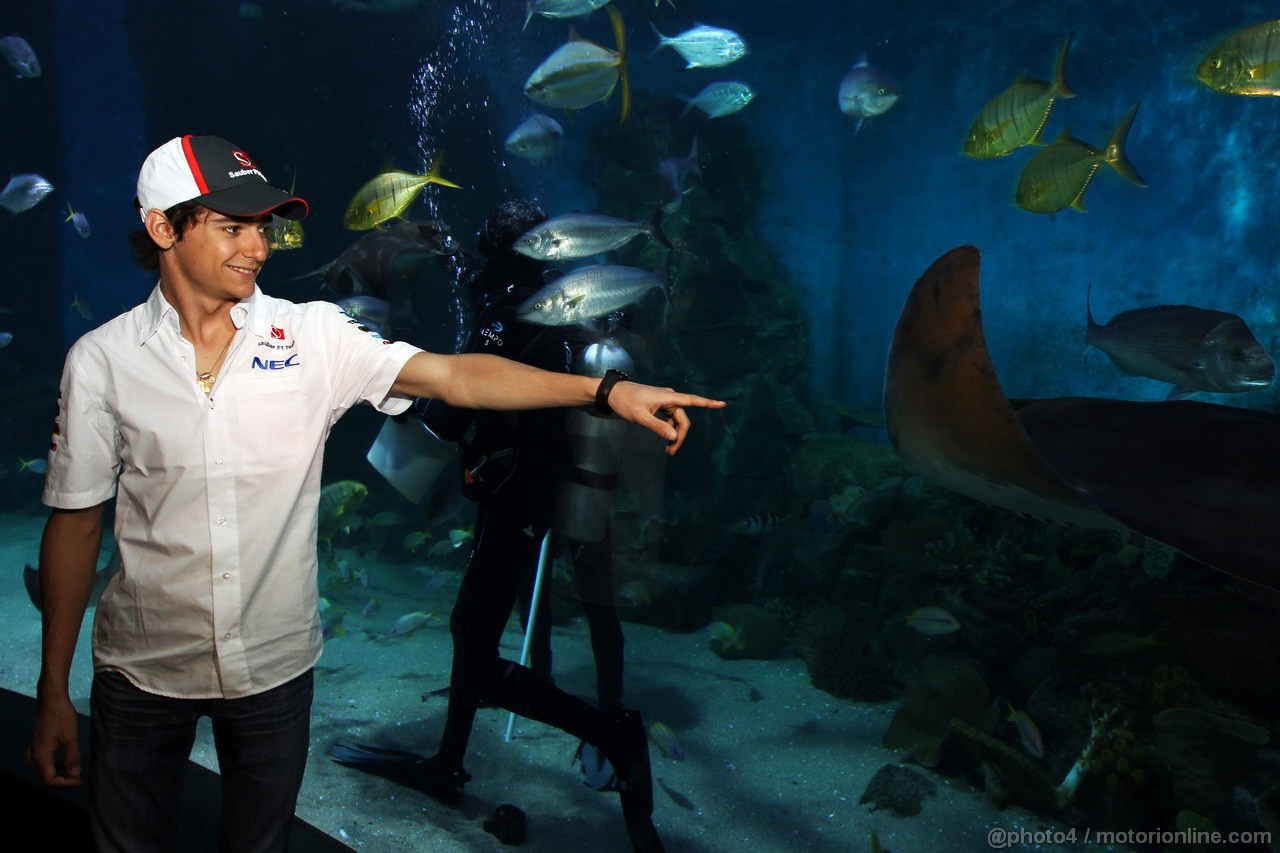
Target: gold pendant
{"points": [[205, 381]]}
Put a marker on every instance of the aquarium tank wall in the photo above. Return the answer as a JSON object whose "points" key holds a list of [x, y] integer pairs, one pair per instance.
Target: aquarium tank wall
{"points": [[983, 540]]}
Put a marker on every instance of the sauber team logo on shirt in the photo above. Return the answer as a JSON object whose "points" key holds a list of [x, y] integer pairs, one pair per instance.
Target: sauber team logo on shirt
{"points": [[277, 333]]}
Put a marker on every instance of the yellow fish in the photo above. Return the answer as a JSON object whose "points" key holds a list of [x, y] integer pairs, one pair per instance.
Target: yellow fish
{"points": [[580, 73], [1017, 116], [1058, 176], [337, 502], [1247, 62], [285, 234], [389, 195]]}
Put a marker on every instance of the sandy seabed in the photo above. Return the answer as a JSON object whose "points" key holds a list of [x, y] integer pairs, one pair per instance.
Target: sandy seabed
{"points": [[771, 763]]}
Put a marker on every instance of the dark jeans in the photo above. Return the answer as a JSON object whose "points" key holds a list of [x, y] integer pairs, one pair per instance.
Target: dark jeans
{"points": [[139, 747]]}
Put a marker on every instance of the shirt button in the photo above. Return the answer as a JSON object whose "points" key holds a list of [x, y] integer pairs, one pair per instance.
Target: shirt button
{"points": [[226, 576], [183, 359], [222, 519], [217, 462], [226, 636]]}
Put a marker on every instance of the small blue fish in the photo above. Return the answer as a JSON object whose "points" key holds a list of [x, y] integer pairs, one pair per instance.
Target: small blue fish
{"points": [[6, 338], [39, 465], [79, 221]]}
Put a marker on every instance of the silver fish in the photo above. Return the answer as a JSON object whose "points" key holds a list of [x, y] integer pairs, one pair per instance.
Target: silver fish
{"points": [[671, 175], [703, 46], [560, 8], [24, 192], [866, 92], [720, 99], [581, 235], [588, 294], [578, 74], [1195, 349], [20, 56], [411, 622], [537, 138]]}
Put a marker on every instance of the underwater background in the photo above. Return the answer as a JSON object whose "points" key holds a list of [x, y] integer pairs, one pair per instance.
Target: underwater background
{"points": [[790, 563]]}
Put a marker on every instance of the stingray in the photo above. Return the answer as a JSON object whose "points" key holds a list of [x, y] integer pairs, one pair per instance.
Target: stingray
{"points": [[1201, 478]]}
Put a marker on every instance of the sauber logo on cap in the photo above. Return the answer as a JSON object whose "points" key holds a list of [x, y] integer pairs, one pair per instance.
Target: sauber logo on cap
{"points": [[243, 159]]}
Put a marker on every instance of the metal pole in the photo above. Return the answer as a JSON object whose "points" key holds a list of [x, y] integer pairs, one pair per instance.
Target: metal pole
{"points": [[533, 615]]}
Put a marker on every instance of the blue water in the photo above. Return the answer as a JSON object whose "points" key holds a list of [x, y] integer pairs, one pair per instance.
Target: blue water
{"points": [[842, 223]]}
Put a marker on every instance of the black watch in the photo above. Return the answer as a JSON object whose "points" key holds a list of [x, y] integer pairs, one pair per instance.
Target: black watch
{"points": [[611, 377]]}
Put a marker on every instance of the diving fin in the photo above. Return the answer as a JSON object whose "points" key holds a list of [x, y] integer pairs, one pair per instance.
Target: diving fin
{"points": [[404, 768]]}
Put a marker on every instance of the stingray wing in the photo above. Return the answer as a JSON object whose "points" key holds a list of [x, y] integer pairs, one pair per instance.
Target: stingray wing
{"points": [[947, 415]]}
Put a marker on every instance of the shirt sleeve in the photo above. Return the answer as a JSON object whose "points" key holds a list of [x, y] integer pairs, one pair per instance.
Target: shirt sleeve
{"points": [[84, 456], [362, 364]]}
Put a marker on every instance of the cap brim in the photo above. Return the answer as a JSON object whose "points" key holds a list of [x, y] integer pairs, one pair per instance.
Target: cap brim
{"points": [[254, 200]]}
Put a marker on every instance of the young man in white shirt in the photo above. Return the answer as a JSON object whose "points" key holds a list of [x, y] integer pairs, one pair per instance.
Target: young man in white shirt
{"points": [[204, 412]]}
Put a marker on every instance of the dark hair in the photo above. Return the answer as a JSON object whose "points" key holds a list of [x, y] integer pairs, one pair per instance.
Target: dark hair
{"points": [[505, 223], [182, 216]]}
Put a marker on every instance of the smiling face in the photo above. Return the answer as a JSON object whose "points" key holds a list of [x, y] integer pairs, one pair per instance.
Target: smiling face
{"points": [[217, 259]]}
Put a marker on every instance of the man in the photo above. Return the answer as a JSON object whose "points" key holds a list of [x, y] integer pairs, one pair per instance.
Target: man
{"points": [[204, 412]]}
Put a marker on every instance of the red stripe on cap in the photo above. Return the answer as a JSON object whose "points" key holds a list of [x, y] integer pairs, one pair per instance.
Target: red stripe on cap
{"points": [[194, 165]]}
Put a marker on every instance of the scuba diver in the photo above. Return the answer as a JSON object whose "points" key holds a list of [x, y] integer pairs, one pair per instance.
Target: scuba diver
{"points": [[529, 473]]}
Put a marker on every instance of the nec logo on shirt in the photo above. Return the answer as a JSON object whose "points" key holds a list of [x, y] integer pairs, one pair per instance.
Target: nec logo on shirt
{"points": [[270, 364]]}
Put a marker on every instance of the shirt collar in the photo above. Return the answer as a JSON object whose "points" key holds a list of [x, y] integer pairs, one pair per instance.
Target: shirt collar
{"points": [[156, 311]]}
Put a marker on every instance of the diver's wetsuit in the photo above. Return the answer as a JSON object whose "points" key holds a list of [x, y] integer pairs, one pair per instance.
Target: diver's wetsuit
{"points": [[511, 522]]}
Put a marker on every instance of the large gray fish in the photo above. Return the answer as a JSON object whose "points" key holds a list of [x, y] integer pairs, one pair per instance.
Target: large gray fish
{"points": [[560, 8], [703, 46], [588, 294], [20, 56], [581, 235], [537, 138], [24, 192], [1195, 349], [580, 73], [671, 175], [866, 92], [370, 264]]}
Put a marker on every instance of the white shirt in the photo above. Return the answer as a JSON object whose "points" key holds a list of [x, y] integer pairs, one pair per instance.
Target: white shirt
{"points": [[217, 496]]}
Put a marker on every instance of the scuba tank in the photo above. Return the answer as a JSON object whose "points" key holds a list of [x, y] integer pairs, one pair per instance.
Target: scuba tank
{"points": [[584, 494]]}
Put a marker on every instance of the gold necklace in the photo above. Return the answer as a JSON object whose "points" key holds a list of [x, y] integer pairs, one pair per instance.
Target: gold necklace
{"points": [[205, 380]]}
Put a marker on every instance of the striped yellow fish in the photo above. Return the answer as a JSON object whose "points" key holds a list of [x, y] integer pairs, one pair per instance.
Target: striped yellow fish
{"points": [[1017, 116], [1247, 62], [580, 73], [389, 195], [1058, 176]]}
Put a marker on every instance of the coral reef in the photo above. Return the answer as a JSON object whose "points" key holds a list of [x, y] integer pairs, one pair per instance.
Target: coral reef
{"points": [[839, 660], [1169, 686], [1205, 752], [757, 633], [946, 692], [1121, 762], [899, 789]]}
